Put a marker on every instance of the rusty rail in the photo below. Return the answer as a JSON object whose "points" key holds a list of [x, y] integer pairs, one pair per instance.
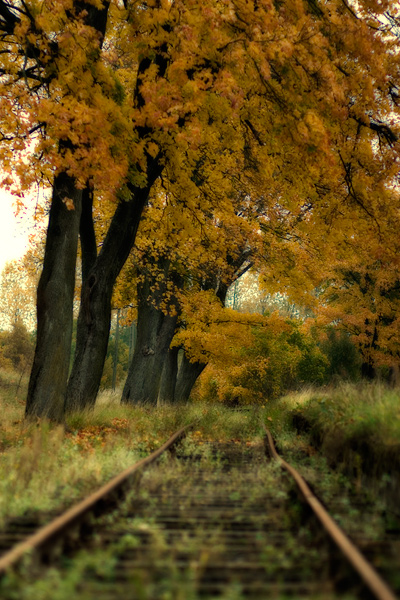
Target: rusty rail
{"points": [[365, 570], [62, 525]]}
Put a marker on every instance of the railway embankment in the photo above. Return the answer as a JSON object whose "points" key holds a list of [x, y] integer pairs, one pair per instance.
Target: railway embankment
{"points": [[357, 429]]}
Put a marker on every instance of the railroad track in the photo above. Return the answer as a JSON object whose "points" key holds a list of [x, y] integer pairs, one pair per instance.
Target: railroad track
{"points": [[210, 521]]}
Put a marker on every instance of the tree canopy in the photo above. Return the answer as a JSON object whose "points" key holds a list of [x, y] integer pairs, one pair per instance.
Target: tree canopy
{"points": [[286, 110]]}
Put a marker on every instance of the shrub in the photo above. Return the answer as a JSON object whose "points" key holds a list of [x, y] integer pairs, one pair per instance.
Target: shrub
{"points": [[343, 356], [275, 363], [17, 348]]}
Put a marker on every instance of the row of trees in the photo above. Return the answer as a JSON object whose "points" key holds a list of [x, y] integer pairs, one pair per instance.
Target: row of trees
{"points": [[250, 359], [212, 136]]}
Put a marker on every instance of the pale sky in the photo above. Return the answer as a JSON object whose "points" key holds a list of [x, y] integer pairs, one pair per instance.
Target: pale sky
{"points": [[14, 231]]}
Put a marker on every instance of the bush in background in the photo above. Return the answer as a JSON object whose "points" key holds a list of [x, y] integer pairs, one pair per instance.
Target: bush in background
{"points": [[274, 363], [343, 356], [16, 349]]}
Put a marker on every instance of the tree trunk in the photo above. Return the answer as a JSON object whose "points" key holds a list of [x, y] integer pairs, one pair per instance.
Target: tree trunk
{"points": [[168, 377], [394, 376], [144, 375], [187, 377], [115, 363], [189, 372], [48, 380], [95, 309], [87, 234], [155, 331], [368, 370], [55, 296]]}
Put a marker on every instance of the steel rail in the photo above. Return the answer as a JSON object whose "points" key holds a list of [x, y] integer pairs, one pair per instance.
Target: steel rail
{"points": [[364, 569], [71, 517]]}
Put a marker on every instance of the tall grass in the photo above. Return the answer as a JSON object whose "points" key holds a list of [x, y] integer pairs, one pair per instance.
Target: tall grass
{"points": [[370, 410], [357, 428]]}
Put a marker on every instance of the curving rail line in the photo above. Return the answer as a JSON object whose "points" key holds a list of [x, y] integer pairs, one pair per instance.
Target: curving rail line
{"points": [[61, 526], [365, 570], [59, 529]]}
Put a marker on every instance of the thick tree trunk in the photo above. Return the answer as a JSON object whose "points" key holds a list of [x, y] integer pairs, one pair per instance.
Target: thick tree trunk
{"points": [[48, 381], [155, 331], [95, 310], [55, 296], [144, 376], [187, 377], [168, 377]]}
